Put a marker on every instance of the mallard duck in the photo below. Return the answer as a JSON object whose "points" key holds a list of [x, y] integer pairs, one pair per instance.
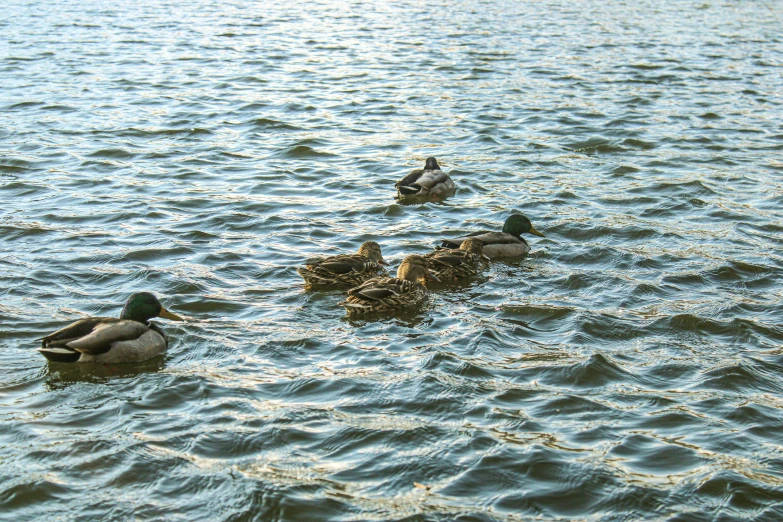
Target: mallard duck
{"points": [[106, 340], [508, 243], [453, 264], [430, 183], [392, 293], [345, 270]]}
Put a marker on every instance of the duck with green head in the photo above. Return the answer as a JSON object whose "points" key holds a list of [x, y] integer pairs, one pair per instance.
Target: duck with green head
{"points": [[389, 294], [508, 243], [107, 340]]}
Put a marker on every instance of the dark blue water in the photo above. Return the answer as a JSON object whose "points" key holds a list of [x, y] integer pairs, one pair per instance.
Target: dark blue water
{"points": [[629, 369]]}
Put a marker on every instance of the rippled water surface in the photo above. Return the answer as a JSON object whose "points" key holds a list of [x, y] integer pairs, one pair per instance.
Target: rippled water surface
{"points": [[630, 368]]}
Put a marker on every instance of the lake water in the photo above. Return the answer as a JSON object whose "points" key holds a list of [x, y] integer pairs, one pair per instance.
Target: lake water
{"points": [[631, 368]]}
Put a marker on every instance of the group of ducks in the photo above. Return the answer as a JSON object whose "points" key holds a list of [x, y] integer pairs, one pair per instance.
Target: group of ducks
{"points": [[133, 338]]}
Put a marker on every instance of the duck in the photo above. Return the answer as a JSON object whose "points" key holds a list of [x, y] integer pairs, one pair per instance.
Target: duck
{"points": [[106, 340], [390, 294], [508, 243], [429, 183], [346, 270], [454, 264]]}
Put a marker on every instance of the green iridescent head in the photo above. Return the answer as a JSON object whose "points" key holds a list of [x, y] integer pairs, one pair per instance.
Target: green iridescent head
{"points": [[143, 306], [517, 224]]}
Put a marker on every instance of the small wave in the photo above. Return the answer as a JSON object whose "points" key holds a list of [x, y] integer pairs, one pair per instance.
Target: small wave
{"points": [[689, 188], [112, 153], [639, 144], [24, 105], [539, 313], [596, 372], [646, 455], [625, 169], [742, 377], [268, 123], [303, 151], [595, 146], [646, 66], [149, 254], [59, 108]]}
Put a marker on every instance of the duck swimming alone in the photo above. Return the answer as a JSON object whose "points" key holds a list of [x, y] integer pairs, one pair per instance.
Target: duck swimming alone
{"points": [[106, 340], [454, 264], [392, 293], [429, 183], [345, 270], [508, 243]]}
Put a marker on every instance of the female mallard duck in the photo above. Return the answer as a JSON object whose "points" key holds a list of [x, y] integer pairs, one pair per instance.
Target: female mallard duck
{"points": [[345, 270], [429, 183], [106, 340], [508, 243], [390, 293], [454, 264]]}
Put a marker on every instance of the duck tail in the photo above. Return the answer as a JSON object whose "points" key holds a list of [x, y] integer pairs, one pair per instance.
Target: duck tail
{"points": [[406, 190], [353, 307], [449, 244], [63, 355], [308, 275]]}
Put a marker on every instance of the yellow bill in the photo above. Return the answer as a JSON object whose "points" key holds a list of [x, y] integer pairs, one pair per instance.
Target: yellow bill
{"points": [[165, 314], [536, 232]]}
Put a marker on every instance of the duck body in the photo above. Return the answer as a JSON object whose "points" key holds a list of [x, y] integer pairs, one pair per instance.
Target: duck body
{"points": [[388, 294], [384, 294], [506, 244], [346, 270], [104, 340], [496, 244], [429, 183], [454, 264], [108, 340]]}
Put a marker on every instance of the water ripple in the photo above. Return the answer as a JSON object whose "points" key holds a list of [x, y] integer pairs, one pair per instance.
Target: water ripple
{"points": [[628, 369]]}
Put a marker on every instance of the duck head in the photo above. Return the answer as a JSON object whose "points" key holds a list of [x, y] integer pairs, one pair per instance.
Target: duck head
{"points": [[143, 306], [372, 250], [414, 268], [517, 224], [431, 164], [473, 246]]}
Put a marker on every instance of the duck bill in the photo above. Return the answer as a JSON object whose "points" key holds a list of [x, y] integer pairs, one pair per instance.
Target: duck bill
{"points": [[431, 277], [383, 262], [536, 232], [165, 314], [485, 258]]}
